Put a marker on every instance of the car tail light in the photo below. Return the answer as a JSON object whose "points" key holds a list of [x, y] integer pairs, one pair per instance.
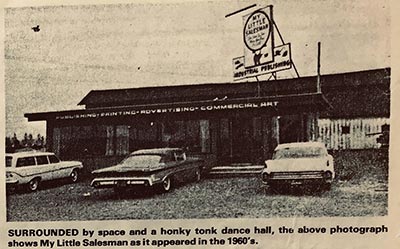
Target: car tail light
{"points": [[9, 174], [265, 176], [328, 175]]}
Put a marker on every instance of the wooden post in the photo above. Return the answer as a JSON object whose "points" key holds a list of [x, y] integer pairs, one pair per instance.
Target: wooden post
{"points": [[319, 68]]}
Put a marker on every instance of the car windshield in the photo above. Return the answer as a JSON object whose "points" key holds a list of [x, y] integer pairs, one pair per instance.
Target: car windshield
{"points": [[8, 161], [141, 161], [297, 152]]}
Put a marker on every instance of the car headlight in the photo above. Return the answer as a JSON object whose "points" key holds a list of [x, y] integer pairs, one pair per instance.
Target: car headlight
{"points": [[154, 178]]}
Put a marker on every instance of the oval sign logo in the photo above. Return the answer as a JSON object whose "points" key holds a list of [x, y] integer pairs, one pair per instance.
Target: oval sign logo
{"points": [[257, 30]]}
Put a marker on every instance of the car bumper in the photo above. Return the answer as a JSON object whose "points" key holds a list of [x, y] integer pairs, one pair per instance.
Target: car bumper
{"points": [[122, 182], [12, 182], [297, 178]]}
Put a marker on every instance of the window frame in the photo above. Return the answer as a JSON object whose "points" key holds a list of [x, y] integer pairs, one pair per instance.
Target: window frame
{"points": [[27, 165], [50, 162], [42, 156]]}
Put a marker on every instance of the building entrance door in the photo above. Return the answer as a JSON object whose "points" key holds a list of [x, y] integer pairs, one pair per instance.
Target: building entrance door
{"points": [[242, 140]]}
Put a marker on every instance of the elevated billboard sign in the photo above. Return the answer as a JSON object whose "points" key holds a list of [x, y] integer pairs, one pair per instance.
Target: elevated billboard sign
{"points": [[257, 36], [282, 61], [261, 56]]}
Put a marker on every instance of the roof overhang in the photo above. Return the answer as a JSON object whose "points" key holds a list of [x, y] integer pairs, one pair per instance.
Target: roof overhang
{"points": [[315, 100]]}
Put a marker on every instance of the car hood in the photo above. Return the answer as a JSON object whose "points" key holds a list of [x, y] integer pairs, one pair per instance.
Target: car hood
{"points": [[296, 164]]}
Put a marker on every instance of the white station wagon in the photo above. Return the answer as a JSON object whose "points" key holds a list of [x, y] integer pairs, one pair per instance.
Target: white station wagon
{"points": [[32, 167], [299, 163]]}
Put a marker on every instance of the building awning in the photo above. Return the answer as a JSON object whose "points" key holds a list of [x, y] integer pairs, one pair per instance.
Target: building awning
{"points": [[314, 100]]}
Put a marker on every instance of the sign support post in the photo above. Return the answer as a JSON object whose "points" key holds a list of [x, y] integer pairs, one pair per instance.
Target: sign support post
{"points": [[319, 68], [283, 42]]}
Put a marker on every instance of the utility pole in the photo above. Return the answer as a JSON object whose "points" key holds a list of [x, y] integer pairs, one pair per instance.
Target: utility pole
{"points": [[319, 68]]}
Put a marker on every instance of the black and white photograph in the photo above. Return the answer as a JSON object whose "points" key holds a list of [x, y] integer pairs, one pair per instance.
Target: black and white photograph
{"points": [[197, 110]]}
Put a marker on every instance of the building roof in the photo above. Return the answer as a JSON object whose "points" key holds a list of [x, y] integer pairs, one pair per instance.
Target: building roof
{"points": [[357, 94], [198, 92], [353, 94], [345, 95]]}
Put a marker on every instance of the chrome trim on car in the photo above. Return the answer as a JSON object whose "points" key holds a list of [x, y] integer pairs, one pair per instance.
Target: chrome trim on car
{"points": [[110, 181], [296, 175], [12, 182]]}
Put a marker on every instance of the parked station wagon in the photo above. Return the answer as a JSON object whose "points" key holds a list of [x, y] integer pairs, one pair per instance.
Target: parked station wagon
{"points": [[30, 168], [159, 168], [298, 164]]}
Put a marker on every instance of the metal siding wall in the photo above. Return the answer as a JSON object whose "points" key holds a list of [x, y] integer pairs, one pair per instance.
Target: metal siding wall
{"points": [[330, 132]]}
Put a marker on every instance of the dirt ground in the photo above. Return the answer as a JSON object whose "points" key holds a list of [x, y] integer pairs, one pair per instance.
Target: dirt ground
{"points": [[243, 197]]}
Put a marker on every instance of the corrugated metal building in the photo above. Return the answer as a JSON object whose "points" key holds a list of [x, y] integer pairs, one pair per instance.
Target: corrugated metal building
{"points": [[360, 107]]}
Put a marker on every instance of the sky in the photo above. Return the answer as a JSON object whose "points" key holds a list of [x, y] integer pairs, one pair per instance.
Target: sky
{"points": [[107, 46]]}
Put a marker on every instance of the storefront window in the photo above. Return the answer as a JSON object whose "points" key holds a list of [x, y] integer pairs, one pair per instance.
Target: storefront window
{"points": [[73, 141], [122, 142], [176, 130], [144, 135], [205, 136], [98, 143], [109, 140], [194, 135]]}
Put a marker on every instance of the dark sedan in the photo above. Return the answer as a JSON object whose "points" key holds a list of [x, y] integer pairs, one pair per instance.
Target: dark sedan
{"points": [[159, 168]]}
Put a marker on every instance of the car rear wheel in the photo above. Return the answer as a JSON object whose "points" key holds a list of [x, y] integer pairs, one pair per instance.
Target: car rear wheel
{"points": [[166, 184], [278, 188], [119, 190], [33, 184], [74, 176], [198, 175], [326, 187]]}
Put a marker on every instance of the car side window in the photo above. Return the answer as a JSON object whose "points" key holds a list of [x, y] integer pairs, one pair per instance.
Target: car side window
{"points": [[8, 161], [180, 156], [26, 161], [54, 159], [42, 160], [168, 158]]}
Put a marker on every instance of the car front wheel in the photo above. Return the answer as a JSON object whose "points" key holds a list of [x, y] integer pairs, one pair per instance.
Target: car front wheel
{"points": [[33, 184], [74, 176]]}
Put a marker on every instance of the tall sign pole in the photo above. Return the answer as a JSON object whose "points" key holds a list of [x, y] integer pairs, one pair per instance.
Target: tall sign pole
{"points": [[271, 8], [319, 68]]}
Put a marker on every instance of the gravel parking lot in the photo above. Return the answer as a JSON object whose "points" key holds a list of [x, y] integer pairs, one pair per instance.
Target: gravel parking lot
{"points": [[211, 198]]}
